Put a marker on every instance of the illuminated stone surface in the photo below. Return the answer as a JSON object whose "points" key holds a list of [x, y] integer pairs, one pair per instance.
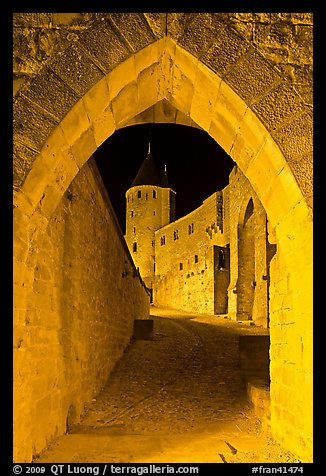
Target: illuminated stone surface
{"points": [[229, 46], [186, 402]]}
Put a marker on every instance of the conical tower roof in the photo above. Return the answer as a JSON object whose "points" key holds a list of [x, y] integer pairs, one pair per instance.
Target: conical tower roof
{"points": [[165, 180], [147, 173]]}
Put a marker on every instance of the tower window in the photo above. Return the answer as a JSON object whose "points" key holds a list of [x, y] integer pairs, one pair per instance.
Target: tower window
{"points": [[146, 196], [181, 266], [162, 240], [134, 247], [154, 213], [196, 258], [134, 230], [176, 234], [190, 228], [139, 193], [131, 213], [154, 193]]}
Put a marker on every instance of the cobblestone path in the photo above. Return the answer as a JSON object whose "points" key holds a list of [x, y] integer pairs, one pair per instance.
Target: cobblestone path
{"points": [[178, 398]]}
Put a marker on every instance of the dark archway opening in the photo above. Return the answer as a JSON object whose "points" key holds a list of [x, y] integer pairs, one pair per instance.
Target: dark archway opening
{"points": [[197, 166]]}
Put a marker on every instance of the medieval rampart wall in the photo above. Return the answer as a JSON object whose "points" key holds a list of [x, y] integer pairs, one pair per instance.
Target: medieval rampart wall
{"points": [[184, 259], [80, 314]]}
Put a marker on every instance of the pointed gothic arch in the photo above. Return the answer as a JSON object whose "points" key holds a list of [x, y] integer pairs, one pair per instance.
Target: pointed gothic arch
{"points": [[162, 74], [203, 99]]}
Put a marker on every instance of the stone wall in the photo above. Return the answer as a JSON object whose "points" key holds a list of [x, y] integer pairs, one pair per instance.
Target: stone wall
{"points": [[185, 259], [188, 276], [291, 374], [79, 317], [248, 297], [265, 57]]}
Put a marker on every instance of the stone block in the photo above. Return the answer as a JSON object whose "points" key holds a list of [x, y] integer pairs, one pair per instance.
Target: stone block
{"points": [[166, 75], [267, 163], [23, 158], [200, 32], [252, 76], [259, 395], [176, 23], [51, 93], [20, 236], [228, 47], [76, 68], [303, 172], [206, 87], [182, 91], [23, 209], [222, 131], [247, 145], [147, 81], [106, 47], [148, 56], [39, 301], [125, 104], [228, 113], [283, 195], [97, 100], [104, 127], [20, 294], [84, 148], [75, 123], [31, 124], [134, 29], [121, 76], [20, 252], [36, 181], [156, 22], [143, 329], [280, 105], [298, 223], [296, 137], [187, 63]]}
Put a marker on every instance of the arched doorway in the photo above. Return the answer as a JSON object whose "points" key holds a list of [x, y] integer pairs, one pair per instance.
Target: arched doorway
{"points": [[174, 77]]}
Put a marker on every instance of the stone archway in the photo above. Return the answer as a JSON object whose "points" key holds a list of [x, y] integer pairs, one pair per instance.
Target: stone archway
{"points": [[186, 85], [164, 72]]}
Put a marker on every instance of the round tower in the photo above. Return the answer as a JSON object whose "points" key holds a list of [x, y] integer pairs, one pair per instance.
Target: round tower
{"points": [[150, 204]]}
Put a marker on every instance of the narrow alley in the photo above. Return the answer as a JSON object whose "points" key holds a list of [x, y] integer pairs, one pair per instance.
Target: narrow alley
{"points": [[177, 398]]}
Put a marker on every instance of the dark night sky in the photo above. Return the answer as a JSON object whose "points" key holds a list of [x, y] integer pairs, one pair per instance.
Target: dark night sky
{"points": [[197, 166]]}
